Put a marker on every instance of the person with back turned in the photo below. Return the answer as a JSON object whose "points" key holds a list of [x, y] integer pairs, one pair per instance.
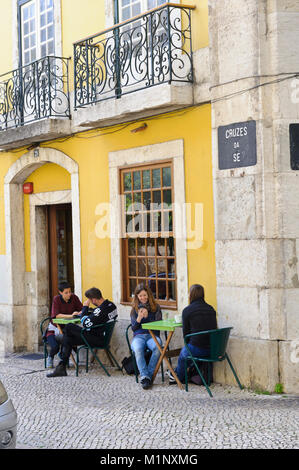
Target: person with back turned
{"points": [[197, 316]]}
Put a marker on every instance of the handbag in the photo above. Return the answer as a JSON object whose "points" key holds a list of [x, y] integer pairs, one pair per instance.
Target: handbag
{"points": [[195, 378], [128, 364]]}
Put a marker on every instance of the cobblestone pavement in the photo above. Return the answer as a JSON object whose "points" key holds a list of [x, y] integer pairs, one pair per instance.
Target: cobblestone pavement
{"points": [[99, 412]]}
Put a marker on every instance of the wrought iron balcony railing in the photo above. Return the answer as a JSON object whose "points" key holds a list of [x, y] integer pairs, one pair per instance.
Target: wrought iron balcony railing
{"points": [[35, 91], [147, 50]]}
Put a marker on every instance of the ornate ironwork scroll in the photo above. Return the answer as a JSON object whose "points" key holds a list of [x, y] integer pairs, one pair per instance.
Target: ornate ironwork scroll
{"points": [[35, 91], [151, 49]]}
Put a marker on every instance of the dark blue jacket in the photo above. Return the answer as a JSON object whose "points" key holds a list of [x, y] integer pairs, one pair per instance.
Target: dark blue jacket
{"points": [[152, 316]]}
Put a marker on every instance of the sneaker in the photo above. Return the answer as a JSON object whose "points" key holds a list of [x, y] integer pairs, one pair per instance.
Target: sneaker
{"points": [[145, 383], [172, 380], [50, 362]]}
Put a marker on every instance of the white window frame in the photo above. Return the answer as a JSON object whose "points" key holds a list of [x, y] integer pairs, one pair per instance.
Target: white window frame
{"points": [[57, 31], [110, 13], [171, 151], [39, 28], [144, 6]]}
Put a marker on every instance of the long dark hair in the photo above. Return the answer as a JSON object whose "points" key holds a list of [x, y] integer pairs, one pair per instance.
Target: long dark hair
{"points": [[196, 292], [151, 300]]}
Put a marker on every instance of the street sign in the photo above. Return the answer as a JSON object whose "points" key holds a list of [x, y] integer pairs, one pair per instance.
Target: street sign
{"points": [[237, 145]]}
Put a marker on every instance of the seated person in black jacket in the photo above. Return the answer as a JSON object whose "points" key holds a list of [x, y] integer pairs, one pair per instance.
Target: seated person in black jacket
{"points": [[198, 316], [104, 312]]}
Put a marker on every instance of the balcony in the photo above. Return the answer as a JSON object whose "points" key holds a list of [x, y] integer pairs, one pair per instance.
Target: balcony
{"points": [[116, 70], [34, 99]]}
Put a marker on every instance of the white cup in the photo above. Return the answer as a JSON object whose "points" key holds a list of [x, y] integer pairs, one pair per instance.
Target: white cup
{"points": [[178, 318]]}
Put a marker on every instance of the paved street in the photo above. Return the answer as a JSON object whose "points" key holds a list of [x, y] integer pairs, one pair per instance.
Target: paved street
{"points": [[99, 412]]}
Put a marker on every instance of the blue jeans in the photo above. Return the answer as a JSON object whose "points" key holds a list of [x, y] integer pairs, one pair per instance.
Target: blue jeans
{"points": [[180, 369], [54, 342], [139, 344]]}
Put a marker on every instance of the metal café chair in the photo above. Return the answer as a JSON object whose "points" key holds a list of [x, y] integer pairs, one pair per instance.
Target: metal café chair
{"points": [[218, 344], [107, 334]]}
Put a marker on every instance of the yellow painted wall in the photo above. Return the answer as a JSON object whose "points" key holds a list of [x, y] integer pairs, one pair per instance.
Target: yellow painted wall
{"points": [[91, 150], [80, 20], [6, 37], [6, 160], [79, 23], [49, 177], [199, 23]]}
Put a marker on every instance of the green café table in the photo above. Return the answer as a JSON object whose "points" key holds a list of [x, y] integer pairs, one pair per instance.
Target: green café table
{"points": [[65, 321], [163, 325]]}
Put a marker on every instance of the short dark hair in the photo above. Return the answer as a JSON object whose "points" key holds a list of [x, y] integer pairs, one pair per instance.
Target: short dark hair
{"points": [[64, 285], [93, 293], [196, 292]]}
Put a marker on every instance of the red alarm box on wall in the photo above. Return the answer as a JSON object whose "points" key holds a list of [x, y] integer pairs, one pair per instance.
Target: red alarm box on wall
{"points": [[28, 188]]}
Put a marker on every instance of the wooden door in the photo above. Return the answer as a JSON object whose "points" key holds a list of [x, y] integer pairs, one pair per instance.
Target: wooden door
{"points": [[60, 246]]}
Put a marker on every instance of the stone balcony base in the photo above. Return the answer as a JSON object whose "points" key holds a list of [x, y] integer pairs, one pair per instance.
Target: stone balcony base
{"points": [[139, 104], [35, 132]]}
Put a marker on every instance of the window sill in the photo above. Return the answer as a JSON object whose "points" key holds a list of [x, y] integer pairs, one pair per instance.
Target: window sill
{"points": [[163, 306]]}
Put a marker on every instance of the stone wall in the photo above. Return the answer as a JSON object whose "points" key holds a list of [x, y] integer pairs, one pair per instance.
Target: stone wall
{"points": [[252, 43]]}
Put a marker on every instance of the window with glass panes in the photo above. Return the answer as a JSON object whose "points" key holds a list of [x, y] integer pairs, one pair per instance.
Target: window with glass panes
{"points": [[130, 8], [148, 243], [37, 29]]}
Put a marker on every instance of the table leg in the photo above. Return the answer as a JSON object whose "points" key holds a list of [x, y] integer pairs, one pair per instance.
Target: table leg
{"points": [[165, 333], [162, 351], [72, 357], [162, 356]]}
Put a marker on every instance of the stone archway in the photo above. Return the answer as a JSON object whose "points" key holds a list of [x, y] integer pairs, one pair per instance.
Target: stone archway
{"points": [[22, 318]]}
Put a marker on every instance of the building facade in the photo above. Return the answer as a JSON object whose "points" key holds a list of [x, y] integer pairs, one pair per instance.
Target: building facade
{"points": [[113, 171]]}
